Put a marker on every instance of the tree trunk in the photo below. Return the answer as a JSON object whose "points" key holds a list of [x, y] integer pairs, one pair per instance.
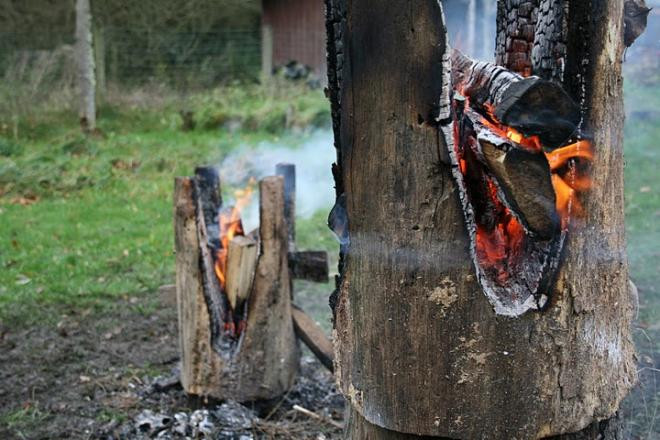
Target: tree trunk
{"points": [[420, 350], [85, 59]]}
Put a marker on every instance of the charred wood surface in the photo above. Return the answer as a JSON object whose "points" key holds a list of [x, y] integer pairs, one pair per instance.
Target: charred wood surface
{"points": [[635, 18], [549, 49], [516, 25], [288, 173], [419, 348]]}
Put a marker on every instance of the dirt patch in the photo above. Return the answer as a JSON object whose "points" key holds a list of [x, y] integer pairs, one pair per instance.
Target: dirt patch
{"points": [[94, 376]]}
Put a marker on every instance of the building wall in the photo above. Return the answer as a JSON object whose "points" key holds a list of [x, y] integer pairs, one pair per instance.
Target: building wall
{"points": [[298, 31]]}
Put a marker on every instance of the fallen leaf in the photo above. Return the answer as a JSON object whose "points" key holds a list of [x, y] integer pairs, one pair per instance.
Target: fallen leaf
{"points": [[645, 189], [22, 280], [85, 379], [24, 201]]}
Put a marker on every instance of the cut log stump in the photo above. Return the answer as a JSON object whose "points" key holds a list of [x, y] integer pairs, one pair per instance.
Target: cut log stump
{"points": [[262, 362]]}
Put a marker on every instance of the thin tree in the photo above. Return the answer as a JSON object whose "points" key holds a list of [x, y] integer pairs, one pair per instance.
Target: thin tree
{"points": [[85, 61], [424, 346]]}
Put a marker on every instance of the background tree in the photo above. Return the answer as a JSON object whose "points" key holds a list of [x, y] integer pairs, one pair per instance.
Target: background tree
{"points": [[419, 348], [85, 59]]}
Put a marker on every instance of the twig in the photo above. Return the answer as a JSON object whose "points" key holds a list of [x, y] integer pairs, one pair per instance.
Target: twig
{"points": [[313, 415]]}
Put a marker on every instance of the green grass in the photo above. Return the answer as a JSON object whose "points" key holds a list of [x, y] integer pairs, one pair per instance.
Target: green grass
{"points": [[642, 159], [88, 219]]}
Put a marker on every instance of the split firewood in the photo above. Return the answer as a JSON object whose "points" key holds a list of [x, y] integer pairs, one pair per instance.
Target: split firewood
{"points": [[532, 106], [524, 178], [241, 263], [314, 337]]}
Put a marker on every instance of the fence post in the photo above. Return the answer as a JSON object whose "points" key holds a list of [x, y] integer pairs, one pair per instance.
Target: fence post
{"points": [[266, 51]]}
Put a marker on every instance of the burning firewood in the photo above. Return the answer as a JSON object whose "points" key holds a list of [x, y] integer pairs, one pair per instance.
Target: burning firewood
{"points": [[241, 262]]}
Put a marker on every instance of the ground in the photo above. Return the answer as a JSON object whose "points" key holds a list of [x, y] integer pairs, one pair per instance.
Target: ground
{"points": [[86, 243], [96, 375]]}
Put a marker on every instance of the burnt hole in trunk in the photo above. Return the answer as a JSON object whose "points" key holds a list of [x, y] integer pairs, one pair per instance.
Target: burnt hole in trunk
{"points": [[520, 164], [228, 315]]}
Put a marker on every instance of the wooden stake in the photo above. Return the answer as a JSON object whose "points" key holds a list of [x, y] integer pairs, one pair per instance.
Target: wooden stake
{"points": [[314, 337]]}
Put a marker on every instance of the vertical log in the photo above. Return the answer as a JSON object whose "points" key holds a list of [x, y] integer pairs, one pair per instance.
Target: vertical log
{"points": [[85, 60], [200, 365], [419, 350]]}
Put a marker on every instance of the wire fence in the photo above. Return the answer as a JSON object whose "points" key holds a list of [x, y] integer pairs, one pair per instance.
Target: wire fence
{"points": [[34, 68], [181, 59]]}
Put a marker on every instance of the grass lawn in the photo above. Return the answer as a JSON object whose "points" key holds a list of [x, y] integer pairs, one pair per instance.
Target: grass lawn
{"points": [[87, 220]]}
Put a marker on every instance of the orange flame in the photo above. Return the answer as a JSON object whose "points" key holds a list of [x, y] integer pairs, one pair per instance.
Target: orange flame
{"points": [[230, 227], [531, 143], [567, 181]]}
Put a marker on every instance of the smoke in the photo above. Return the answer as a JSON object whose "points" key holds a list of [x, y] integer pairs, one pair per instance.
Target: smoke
{"points": [[312, 155]]}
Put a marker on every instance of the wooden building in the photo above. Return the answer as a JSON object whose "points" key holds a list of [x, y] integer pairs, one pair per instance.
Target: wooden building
{"points": [[293, 30]]}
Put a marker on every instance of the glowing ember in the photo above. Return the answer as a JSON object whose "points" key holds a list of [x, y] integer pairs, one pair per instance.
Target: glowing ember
{"points": [[499, 247], [567, 179], [532, 143], [501, 239]]}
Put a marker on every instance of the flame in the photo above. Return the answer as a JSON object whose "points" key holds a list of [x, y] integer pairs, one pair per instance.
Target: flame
{"points": [[581, 149], [230, 227], [567, 180], [531, 143]]}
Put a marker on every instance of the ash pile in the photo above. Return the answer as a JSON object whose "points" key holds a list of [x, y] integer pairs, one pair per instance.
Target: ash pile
{"points": [[313, 408]]}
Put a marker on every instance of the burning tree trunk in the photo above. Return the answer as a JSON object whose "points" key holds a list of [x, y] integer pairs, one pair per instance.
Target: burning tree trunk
{"points": [[423, 342]]}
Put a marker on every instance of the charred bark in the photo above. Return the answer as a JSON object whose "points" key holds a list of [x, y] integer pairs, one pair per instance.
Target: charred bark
{"points": [[549, 48], [419, 349], [516, 25]]}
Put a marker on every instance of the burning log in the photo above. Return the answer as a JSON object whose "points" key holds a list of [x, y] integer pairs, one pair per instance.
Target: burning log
{"points": [[241, 263], [533, 107], [214, 364], [517, 198], [234, 291]]}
